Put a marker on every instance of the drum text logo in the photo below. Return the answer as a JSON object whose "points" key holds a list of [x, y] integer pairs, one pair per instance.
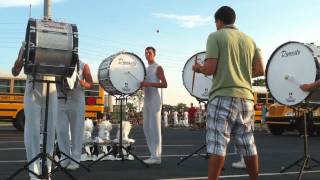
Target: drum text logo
{"points": [[127, 62], [285, 53], [291, 98], [126, 88], [205, 93]]}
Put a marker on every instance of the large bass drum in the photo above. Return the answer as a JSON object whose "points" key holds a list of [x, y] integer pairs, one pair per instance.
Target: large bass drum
{"points": [[121, 73], [198, 85], [51, 48], [289, 66]]}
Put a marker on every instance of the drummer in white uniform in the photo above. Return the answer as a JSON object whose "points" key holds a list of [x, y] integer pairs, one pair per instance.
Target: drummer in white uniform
{"points": [[155, 79], [34, 111], [72, 113]]}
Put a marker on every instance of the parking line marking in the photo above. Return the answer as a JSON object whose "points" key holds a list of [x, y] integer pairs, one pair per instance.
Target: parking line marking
{"points": [[163, 156], [246, 175]]}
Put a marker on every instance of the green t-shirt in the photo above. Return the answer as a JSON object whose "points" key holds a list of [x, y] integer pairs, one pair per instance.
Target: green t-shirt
{"points": [[235, 52]]}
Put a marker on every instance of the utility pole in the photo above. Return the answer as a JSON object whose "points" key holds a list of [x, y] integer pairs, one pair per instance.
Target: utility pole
{"points": [[47, 10], [29, 11]]}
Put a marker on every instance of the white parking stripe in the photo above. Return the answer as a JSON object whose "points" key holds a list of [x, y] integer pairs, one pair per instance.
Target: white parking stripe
{"points": [[163, 156], [246, 175], [5, 142], [187, 145]]}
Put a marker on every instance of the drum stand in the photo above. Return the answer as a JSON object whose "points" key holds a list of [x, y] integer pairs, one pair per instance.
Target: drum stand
{"points": [[43, 155], [118, 147], [306, 158], [196, 152]]}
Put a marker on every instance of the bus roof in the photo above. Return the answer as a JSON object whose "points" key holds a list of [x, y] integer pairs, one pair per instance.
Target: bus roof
{"points": [[9, 75], [259, 89]]}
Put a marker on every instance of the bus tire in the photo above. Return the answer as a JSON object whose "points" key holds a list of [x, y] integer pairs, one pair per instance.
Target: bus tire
{"points": [[276, 129], [20, 120]]}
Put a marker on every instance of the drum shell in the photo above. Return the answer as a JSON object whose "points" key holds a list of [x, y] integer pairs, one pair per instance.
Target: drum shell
{"points": [[51, 48], [104, 76]]}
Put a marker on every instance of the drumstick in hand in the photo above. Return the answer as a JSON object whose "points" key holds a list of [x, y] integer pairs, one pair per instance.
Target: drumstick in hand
{"points": [[194, 73]]}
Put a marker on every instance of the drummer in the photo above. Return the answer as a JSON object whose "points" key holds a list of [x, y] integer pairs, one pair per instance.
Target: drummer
{"points": [[71, 111], [233, 58], [155, 79]]}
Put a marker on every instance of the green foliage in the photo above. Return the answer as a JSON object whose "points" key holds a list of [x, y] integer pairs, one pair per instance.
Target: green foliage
{"points": [[259, 82]]}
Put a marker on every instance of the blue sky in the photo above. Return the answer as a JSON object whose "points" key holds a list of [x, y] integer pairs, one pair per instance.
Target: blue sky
{"points": [[109, 26]]}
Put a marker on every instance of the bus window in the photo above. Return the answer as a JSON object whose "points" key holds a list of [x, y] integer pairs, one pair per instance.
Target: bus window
{"points": [[19, 86], [5, 86]]}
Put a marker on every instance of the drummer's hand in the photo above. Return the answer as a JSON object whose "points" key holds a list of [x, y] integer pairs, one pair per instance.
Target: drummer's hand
{"points": [[306, 87], [82, 82], [196, 67]]}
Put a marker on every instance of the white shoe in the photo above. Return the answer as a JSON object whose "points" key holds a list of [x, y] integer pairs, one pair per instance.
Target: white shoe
{"points": [[73, 166], [129, 157], [239, 165], [152, 161], [38, 179]]}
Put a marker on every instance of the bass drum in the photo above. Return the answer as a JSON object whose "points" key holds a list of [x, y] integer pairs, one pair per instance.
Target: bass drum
{"points": [[51, 48], [198, 85], [121, 73], [289, 66]]}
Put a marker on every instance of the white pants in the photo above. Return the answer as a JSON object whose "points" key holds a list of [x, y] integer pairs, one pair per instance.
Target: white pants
{"points": [[165, 121], [152, 125], [175, 121], [71, 113], [34, 111]]}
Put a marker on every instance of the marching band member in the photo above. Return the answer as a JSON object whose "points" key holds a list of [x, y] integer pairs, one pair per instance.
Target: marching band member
{"points": [[34, 111], [155, 79], [72, 113], [233, 58], [165, 118]]}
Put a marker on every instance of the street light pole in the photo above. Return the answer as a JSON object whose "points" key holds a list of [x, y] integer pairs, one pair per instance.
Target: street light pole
{"points": [[47, 10]]}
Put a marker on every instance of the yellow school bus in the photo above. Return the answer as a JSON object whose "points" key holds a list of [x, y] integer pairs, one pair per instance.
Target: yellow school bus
{"points": [[261, 98], [12, 106]]}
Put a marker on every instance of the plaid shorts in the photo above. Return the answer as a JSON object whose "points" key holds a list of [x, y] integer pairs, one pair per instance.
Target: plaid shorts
{"points": [[230, 116]]}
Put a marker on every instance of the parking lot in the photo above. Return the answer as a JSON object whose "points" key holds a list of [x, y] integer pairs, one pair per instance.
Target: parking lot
{"points": [[275, 152]]}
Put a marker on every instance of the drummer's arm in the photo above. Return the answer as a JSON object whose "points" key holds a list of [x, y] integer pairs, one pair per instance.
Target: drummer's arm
{"points": [[310, 86], [87, 78], [163, 82], [16, 69], [208, 68], [257, 68]]}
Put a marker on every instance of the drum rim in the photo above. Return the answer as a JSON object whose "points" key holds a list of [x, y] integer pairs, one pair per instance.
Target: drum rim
{"points": [[268, 64], [121, 93], [116, 90], [198, 98]]}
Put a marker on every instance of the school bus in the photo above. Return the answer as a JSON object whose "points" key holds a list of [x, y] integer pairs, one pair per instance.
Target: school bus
{"points": [[12, 106], [281, 118], [261, 98]]}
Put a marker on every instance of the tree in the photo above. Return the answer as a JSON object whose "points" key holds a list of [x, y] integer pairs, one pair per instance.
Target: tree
{"points": [[138, 98], [131, 106], [259, 82], [182, 106]]}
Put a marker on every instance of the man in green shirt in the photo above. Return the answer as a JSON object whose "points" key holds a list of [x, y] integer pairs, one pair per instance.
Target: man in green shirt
{"points": [[233, 58]]}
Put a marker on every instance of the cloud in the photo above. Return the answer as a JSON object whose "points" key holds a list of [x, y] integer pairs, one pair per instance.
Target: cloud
{"points": [[185, 21], [16, 3]]}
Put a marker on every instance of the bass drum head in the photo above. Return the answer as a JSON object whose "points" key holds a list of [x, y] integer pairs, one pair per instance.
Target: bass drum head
{"points": [[124, 73], [290, 65], [202, 83]]}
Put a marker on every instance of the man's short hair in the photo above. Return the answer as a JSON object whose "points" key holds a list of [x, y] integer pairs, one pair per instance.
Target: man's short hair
{"points": [[226, 14], [151, 48]]}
